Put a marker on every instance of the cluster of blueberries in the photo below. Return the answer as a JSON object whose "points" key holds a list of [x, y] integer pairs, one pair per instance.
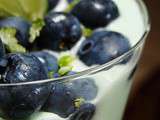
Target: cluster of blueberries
{"points": [[63, 99], [61, 32]]}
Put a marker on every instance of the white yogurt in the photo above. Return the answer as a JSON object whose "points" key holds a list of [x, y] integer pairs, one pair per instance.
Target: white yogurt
{"points": [[113, 84], [130, 23]]}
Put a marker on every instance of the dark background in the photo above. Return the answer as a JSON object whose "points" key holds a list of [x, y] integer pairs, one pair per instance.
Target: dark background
{"points": [[144, 101]]}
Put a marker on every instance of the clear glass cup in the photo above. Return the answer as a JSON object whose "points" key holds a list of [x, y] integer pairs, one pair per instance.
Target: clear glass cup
{"points": [[103, 90]]}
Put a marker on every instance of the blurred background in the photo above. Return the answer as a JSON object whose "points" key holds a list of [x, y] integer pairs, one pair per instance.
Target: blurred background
{"points": [[144, 101]]}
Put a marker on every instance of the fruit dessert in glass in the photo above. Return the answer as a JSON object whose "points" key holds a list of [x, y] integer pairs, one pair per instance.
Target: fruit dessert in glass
{"points": [[69, 59]]}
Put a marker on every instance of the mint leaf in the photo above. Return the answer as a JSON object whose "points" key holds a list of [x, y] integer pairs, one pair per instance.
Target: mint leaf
{"points": [[4, 14], [78, 102], [7, 36], [87, 32], [65, 60], [34, 9], [31, 10], [64, 70], [71, 5], [11, 8], [35, 29], [64, 63], [50, 74]]}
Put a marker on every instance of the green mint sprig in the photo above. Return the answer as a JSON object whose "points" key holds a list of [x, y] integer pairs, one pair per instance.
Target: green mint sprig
{"points": [[34, 9], [7, 36], [11, 8], [65, 60], [78, 102], [31, 10], [28, 9], [87, 32], [71, 5], [34, 12], [35, 29], [65, 64], [64, 70]]}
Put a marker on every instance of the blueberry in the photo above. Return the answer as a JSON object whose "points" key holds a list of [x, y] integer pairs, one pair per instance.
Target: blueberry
{"points": [[102, 47], [22, 100], [3, 61], [95, 13], [24, 68], [27, 99], [49, 61], [70, 1], [2, 49], [22, 26], [71, 73], [61, 32], [61, 101], [84, 88], [5, 98], [85, 112], [63, 96], [56, 75], [3, 65], [52, 4]]}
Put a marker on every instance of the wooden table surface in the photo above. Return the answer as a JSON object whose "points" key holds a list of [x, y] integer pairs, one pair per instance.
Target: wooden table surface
{"points": [[144, 102]]}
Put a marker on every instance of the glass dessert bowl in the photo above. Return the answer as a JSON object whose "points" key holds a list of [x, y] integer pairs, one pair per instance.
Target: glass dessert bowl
{"points": [[75, 77]]}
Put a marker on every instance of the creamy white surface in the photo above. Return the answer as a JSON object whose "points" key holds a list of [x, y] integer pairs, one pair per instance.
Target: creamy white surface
{"points": [[113, 84]]}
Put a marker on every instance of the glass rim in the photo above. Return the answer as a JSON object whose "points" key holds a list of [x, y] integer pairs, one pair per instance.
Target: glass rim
{"points": [[97, 68]]}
